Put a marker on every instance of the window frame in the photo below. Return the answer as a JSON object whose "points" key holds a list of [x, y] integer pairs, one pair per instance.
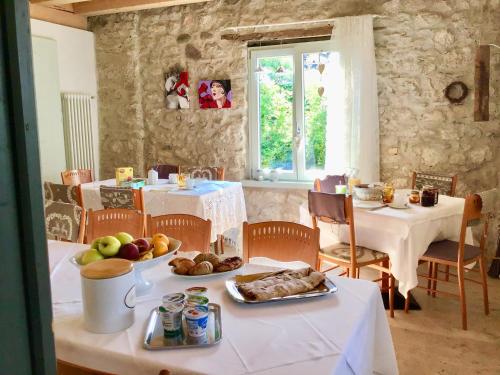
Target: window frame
{"points": [[296, 50]]}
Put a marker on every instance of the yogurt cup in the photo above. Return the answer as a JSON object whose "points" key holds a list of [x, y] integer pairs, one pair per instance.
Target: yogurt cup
{"points": [[171, 318], [196, 291], [193, 301], [196, 320], [174, 298]]}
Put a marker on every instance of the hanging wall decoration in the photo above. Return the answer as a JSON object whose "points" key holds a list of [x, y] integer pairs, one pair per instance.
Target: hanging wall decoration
{"points": [[215, 94], [177, 89]]}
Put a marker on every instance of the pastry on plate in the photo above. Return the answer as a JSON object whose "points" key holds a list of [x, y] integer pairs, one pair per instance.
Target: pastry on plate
{"points": [[202, 268], [182, 265], [228, 264], [212, 258]]}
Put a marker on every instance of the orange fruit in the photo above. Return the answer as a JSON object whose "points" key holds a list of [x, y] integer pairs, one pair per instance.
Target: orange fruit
{"points": [[159, 237], [160, 248]]}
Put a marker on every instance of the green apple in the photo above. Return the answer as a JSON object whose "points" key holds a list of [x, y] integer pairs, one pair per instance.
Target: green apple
{"points": [[109, 246], [90, 256], [124, 237], [95, 243]]}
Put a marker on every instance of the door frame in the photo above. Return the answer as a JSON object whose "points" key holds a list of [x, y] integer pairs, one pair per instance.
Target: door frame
{"points": [[26, 342]]}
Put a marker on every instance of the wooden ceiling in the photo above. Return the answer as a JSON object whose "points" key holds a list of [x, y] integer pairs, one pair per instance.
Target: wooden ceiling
{"points": [[74, 13]]}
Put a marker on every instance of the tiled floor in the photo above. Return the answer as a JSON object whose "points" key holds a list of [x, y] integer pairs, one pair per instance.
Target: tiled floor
{"points": [[431, 341]]}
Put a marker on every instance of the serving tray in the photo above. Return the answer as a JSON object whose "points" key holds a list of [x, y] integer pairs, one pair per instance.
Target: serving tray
{"points": [[326, 287], [154, 339]]}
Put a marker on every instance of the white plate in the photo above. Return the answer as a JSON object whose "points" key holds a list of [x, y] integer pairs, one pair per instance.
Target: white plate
{"points": [[367, 204], [392, 205], [213, 274]]}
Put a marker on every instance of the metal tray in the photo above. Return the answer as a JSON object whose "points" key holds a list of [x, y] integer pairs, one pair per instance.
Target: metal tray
{"points": [[154, 339], [326, 287]]}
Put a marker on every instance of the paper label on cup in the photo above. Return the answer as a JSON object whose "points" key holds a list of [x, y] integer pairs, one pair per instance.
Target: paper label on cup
{"points": [[130, 298]]}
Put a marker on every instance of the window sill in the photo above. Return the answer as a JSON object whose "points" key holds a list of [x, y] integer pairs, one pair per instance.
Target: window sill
{"points": [[290, 185]]}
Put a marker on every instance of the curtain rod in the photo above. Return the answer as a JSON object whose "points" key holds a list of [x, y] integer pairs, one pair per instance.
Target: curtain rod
{"points": [[235, 28]]}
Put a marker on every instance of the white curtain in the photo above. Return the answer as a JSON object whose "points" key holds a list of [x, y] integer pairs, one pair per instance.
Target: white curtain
{"points": [[352, 135]]}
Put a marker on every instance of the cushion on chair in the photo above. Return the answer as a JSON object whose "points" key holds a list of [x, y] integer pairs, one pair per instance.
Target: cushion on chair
{"points": [[62, 221], [115, 197], [210, 173], [342, 252], [448, 250], [60, 193], [442, 183]]}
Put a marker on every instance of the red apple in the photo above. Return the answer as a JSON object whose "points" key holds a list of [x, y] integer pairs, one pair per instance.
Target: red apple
{"points": [[142, 244], [129, 251]]}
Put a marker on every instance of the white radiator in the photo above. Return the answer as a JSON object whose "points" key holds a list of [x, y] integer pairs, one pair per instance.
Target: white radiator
{"points": [[78, 131]]}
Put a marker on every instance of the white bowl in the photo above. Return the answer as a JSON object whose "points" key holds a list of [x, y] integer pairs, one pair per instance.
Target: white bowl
{"points": [[365, 193], [142, 285]]}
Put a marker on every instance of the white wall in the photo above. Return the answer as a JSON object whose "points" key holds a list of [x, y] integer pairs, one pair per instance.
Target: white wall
{"points": [[76, 60], [48, 109]]}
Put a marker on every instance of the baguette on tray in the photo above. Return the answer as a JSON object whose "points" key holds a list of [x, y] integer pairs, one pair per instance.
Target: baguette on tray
{"points": [[281, 284]]}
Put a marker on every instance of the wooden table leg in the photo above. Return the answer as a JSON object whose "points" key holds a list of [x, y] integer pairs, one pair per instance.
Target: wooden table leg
{"points": [[385, 277]]}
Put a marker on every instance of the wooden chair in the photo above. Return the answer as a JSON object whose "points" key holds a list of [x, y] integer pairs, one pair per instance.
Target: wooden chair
{"points": [[210, 173], [122, 197], [458, 254], [108, 222], [338, 209], [282, 241], [445, 184], [327, 185], [192, 231], [165, 169], [64, 221], [67, 368], [76, 176], [63, 193]]}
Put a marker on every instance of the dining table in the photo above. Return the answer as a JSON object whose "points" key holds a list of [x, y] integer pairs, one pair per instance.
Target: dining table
{"points": [[402, 233], [222, 202], [346, 332]]}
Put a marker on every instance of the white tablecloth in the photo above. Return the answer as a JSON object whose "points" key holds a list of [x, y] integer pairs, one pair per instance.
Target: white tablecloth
{"points": [[404, 234], [222, 202], [344, 333]]}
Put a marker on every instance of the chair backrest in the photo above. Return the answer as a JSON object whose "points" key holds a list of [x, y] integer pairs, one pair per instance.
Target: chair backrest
{"points": [[334, 208], [64, 221], [445, 184], [113, 220], [76, 176], [282, 241], [122, 197], [210, 173], [165, 169], [67, 368], [327, 185], [192, 231], [63, 193], [473, 215]]}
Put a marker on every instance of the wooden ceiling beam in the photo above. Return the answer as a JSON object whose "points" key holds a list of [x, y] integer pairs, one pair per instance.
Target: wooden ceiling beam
{"points": [[279, 34], [59, 17], [98, 7], [56, 2]]}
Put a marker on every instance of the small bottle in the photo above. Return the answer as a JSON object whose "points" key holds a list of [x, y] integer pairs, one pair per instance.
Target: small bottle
{"points": [[152, 177]]}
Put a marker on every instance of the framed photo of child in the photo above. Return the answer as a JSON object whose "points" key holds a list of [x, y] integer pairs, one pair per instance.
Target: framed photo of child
{"points": [[215, 94]]}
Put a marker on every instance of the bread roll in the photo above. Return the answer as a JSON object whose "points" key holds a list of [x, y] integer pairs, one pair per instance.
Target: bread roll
{"points": [[212, 258], [182, 266], [203, 268], [228, 264]]}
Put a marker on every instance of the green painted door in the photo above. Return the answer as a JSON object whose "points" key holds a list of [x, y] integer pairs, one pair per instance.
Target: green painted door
{"points": [[26, 339]]}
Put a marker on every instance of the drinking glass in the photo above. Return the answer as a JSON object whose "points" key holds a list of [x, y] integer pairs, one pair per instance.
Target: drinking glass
{"points": [[388, 194], [181, 181]]}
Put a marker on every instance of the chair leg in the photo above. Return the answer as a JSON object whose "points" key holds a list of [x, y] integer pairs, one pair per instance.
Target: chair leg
{"points": [[461, 287], [429, 281], [447, 273], [482, 270], [407, 303], [391, 295], [435, 270], [220, 239], [216, 247]]}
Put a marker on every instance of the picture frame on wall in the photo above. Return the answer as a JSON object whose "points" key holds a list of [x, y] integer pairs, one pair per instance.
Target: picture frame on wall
{"points": [[177, 89], [215, 94]]}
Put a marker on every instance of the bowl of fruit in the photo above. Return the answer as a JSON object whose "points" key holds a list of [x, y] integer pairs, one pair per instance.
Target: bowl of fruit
{"points": [[144, 252]]}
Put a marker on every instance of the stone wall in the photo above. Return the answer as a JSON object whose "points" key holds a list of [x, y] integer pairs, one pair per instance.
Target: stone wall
{"points": [[421, 47]]}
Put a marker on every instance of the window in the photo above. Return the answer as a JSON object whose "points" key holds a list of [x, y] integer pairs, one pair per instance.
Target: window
{"points": [[289, 108]]}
